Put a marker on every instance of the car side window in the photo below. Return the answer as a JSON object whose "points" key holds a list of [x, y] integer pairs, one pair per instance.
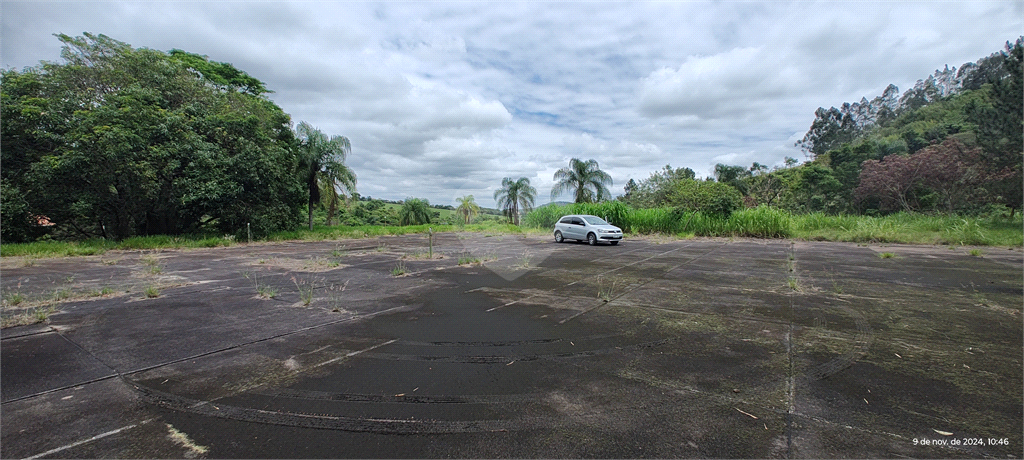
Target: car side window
{"points": [[565, 220], [577, 221]]}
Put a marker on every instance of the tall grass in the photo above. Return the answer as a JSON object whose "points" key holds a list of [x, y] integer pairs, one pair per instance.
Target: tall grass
{"points": [[911, 228], [760, 222]]}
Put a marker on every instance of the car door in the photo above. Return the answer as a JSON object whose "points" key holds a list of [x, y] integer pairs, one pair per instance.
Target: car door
{"points": [[563, 226], [577, 227]]}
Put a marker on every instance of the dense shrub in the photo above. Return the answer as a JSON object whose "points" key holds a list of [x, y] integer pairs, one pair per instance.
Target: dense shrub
{"points": [[712, 198]]}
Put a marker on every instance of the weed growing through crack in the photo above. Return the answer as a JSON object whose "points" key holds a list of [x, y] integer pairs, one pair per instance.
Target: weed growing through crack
{"points": [[14, 299], [793, 283], [468, 259], [887, 255], [151, 292], [42, 314], [524, 260], [263, 290], [61, 294], [399, 269], [605, 293], [976, 252], [382, 247], [266, 291], [333, 299], [32, 316], [307, 288], [152, 264], [836, 288]]}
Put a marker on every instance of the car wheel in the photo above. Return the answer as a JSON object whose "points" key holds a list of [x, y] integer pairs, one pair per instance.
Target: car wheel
{"points": [[592, 239], [614, 243], [558, 237]]}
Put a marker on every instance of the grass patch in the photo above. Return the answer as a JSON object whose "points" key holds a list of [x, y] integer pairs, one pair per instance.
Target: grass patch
{"points": [[106, 290], [887, 255], [759, 222], [152, 264], [61, 294], [14, 299], [151, 292], [31, 316], [468, 260], [399, 269]]}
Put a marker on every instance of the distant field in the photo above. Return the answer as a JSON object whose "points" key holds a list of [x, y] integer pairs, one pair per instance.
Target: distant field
{"points": [[444, 212]]}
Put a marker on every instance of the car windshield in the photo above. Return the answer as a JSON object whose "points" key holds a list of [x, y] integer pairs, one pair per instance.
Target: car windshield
{"points": [[595, 220]]}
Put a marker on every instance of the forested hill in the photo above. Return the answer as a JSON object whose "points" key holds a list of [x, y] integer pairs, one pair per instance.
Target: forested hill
{"points": [[966, 124], [837, 125]]}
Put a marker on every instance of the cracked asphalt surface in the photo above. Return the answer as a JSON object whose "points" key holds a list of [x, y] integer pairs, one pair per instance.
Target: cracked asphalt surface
{"points": [[516, 346]]}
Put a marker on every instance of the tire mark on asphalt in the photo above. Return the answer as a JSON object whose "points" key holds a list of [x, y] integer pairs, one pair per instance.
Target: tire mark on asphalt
{"points": [[790, 377], [588, 277], [117, 373], [404, 399], [284, 334], [640, 285], [505, 359], [85, 441]]}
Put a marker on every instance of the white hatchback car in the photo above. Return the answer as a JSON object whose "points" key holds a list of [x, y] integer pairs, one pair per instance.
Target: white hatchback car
{"points": [[586, 228]]}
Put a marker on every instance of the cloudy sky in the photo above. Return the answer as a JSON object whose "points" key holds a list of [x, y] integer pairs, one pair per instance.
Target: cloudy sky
{"points": [[442, 100]]}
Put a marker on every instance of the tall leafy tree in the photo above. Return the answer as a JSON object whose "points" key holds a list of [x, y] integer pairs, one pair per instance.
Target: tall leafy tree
{"points": [[514, 197], [323, 160], [654, 191], [1001, 126], [830, 129], [467, 208], [733, 176], [584, 179], [118, 141]]}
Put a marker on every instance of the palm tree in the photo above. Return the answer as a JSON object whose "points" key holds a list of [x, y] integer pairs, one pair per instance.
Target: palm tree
{"points": [[515, 195], [329, 184], [323, 160], [414, 211], [584, 179], [467, 208]]}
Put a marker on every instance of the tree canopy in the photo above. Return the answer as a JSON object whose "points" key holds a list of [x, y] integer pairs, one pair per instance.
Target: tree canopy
{"points": [[117, 141], [323, 164], [414, 211], [515, 197], [467, 208], [584, 179]]}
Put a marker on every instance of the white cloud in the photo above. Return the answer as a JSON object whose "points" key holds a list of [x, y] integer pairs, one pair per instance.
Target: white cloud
{"points": [[444, 100]]}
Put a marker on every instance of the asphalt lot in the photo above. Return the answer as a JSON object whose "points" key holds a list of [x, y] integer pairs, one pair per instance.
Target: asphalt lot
{"points": [[513, 346]]}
